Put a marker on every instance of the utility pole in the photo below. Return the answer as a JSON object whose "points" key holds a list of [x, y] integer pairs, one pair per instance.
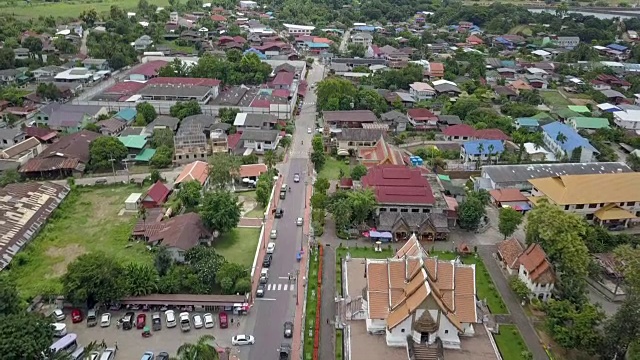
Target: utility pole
{"points": [[113, 166], [126, 166]]}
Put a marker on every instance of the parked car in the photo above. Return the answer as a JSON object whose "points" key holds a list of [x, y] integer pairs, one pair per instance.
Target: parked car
{"points": [[296, 178], [92, 318], [156, 321], [240, 340], [185, 323], [267, 261], [288, 329], [141, 321], [105, 320], [264, 276], [162, 356], [223, 319], [274, 234], [127, 320], [618, 227], [94, 355], [271, 247], [197, 321], [76, 316], [308, 130], [260, 291], [59, 315], [147, 356], [108, 354], [279, 213], [59, 329], [170, 318], [299, 221], [208, 321]]}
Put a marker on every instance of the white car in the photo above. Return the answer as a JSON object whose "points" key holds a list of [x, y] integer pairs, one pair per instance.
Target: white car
{"points": [[208, 321], [170, 318], [197, 321], [59, 315], [274, 234], [239, 340], [271, 247], [309, 131], [299, 221], [105, 320]]}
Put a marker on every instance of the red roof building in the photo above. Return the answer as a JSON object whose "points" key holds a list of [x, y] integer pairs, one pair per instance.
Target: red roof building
{"points": [[398, 186], [474, 40], [184, 81], [233, 140], [381, 154], [225, 39], [218, 18], [42, 134], [239, 39], [422, 118], [491, 134], [459, 132], [156, 195], [283, 80], [252, 170], [436, 69], [149, 69]]}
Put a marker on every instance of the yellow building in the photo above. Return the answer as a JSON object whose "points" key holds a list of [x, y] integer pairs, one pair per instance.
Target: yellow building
{"points": [[610, 200]]}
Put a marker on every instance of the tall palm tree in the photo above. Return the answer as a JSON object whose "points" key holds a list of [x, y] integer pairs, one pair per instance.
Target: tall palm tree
{"points": [[480, 151], [561, 138], [269, 159], [491, 148], [201, 350]]}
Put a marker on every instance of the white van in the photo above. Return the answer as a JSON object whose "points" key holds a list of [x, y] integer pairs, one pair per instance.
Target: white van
{"points": [[59, 329]]}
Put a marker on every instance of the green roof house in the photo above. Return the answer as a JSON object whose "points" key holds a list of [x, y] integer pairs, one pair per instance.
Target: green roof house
{"points": [[579, 109], [135, 145], [588, 123], [566, 113]]}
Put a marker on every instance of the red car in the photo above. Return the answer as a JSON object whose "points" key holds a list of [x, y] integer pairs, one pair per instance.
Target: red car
{"points": [[141, 321], [223, 320], [76, 316]]}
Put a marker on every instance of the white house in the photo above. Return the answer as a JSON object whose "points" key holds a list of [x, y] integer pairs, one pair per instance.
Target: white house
{"points": [[364, 39], [248, 4], [259, 141], [627, 119], [296, 30], [421, 91], [22, 151], [567, 42], [414, 296], [537, 272], [563, 140]]}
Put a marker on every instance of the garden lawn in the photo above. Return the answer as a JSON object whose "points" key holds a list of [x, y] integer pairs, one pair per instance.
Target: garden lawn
{"points": [[238, 245], [331, 169], [311, 306], [554, 99], [510, 343], [257, 212], [67, 9], [179, 48], [86, 221]]}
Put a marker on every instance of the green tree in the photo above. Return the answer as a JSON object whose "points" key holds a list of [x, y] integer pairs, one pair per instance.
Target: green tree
{"points": [[358, 172], [10, 176], [220, 211], [147, 111], [183, 109], [162, 137], [92, 278], [203, 349], [9, 297], [223, 169], [228, 275], [190, 194], [470, 212], [48, 91], [509, 220], [92, 127], [250, 159], [228, 115], [362, 204], [342, 213], [7, 58], [162, 158], [162, 260], [25, 335], [321, 185], [573, 326], [206, 263], [622, 329], [519, 287], [270, 159], [317, 156], [141, 279], [263, 189], [182, 279], [336, 94], [34, 45], [155, 176], [104, 150], [89, 17]]}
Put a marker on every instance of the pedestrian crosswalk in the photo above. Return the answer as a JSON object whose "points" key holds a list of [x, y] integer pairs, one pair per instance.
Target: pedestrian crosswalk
{"points": [[280, 287]]}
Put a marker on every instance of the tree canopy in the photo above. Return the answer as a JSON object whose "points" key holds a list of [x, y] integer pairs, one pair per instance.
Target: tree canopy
{"points": [[223, 169], [220, 210], [93, 278], [105, 150]]}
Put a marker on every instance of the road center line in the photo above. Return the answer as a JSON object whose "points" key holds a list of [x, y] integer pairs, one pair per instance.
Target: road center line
{"points": [[265, 299]]}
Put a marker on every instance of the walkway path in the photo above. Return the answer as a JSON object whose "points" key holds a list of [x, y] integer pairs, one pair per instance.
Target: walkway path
{"points": [[518, 317], [328, 308]]}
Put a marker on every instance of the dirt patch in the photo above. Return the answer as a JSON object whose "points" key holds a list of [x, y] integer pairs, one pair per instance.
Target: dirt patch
{"points": [[68, 253], [581, 102]]}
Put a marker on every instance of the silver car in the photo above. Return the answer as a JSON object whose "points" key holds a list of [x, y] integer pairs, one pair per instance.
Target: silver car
{"points": [[274, 234]]}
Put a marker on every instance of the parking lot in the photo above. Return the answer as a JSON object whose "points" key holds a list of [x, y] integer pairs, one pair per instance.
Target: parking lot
{"points": [[131, 344]]}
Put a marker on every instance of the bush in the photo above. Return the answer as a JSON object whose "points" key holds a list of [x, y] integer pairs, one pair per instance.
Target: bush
{"points": [[318, 229]]}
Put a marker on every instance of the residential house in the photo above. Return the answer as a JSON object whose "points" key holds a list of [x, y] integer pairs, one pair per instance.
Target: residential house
{"points": [[44, 135], [156, 195], [283, 80], [613, 96], [111, 127], [604, 199], [446, 87], [259, 141], [614, 81], [178, 234], [527, 123], [599, 85], [246, 4], [491, 134], [505, 91], [22, 151], [396, 120], [126, 115], [563, 140], [348, 141], [422, 119], [535, 152], [47, 73], [627, 119], [219, 141], [588, 123], [362, 39], [448, 120], [382, 153], [246, 121], [251, 172], [142, 43], [474, 40], [10, 137], [400, 189], [518, 176], [163, 122], [460, 132], [348, 119], [190, 143], [68, 118], [481, 151], [413, 307], [567, 42], [21, 54], [95, 64], [196, 171], [11, 76], [508, 253], [510, 198], [296, 30], [536, 272], [421, 91], [403, 225], [135, 145], [69, 156]]}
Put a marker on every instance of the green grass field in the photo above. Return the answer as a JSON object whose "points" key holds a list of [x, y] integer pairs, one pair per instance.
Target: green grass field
{"points": [[68, 9], [86, 221], [554, 99], [331, 169], [310, 309], [239, 245], [510, 343]]}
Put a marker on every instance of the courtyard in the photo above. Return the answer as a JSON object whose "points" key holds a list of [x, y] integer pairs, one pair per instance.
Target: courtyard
{"points": [[88, 220]]}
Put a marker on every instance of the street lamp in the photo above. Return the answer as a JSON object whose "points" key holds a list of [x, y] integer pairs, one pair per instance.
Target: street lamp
{"points": [[297, 297]]}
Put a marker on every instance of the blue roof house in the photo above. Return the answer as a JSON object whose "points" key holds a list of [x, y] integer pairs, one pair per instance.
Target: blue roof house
{"points": [[617, 47], [127, 115], [365, 29], [563, 140], [481, 150], [261, 56]]}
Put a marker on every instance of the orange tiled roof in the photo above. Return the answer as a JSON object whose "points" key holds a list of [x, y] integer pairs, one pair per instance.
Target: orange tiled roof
{"points": [[197, 170], [510, 250], [535, 262]]}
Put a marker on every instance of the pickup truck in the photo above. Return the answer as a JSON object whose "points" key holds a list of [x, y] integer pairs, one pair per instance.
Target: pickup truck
{"points": [[284, 351], [185, 323]]}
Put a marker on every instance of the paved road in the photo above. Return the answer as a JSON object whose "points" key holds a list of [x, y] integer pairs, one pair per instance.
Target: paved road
{"points": [[279, 302], [83, 44], [169, 176]]}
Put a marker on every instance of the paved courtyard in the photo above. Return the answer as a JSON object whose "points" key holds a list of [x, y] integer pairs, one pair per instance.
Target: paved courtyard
{"points": [[131, 344]]}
